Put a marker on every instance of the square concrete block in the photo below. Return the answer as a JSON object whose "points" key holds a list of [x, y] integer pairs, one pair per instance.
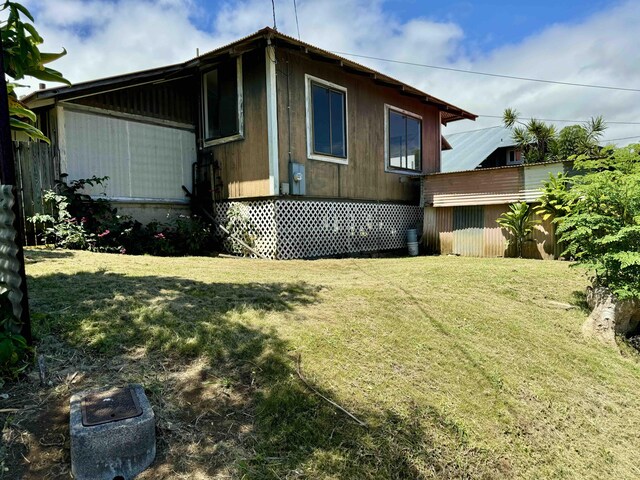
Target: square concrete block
{"points": [[113, 434]]}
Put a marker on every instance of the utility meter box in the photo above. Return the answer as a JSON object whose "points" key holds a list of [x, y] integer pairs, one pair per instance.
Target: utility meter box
{"points": [[297, 179]]}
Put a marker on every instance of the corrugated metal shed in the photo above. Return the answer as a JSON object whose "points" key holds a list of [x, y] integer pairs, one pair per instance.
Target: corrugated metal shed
{"points": [[489, 186], [477, 187], [470, 149]]}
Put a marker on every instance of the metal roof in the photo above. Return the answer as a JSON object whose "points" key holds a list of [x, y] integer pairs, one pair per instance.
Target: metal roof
{"points": [[449, 112], [470, 149]]}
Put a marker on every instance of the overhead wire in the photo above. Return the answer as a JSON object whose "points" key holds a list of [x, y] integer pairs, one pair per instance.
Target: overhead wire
{"points": [[489, 74]]}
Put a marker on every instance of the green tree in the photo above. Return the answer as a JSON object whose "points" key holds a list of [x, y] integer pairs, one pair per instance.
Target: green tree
{"points": [[23, 58], [518, 222], [540, 142], [602, 230]]}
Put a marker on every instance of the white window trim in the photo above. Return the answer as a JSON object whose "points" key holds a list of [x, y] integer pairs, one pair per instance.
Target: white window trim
{"points": [[387, 167], [309, 120], [205, 113]]}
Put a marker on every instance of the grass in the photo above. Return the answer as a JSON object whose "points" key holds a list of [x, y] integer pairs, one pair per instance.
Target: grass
{"points": [[461, 367]]}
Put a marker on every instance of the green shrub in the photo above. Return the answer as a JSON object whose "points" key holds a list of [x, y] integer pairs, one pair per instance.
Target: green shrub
{"points": [[602, 229], [82, 222], [14, 351]]}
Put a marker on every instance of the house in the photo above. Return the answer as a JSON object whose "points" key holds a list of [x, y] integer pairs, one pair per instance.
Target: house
{"points": [[323, 154], [482, 148]]}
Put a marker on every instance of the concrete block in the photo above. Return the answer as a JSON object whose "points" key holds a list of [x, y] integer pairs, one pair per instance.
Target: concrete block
{"points": [[104, 444]]}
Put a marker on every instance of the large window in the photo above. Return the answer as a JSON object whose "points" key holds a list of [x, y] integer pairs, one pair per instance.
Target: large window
{"points": [[326, 121], [403, 140], [223, 102]]}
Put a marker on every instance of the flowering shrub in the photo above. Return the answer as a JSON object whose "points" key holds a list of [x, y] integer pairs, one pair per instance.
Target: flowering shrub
{"points": [[82, 222]]}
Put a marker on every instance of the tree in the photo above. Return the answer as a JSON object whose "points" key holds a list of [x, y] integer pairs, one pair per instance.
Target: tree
{"points": [[540, 142], [518, 223], [22, 58]]}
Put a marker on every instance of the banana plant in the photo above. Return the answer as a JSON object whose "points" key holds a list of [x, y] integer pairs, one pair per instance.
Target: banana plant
{"points": [[518, 222]]}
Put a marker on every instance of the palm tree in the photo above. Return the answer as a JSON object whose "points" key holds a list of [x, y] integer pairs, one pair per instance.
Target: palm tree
{"points": [[535, 139]]}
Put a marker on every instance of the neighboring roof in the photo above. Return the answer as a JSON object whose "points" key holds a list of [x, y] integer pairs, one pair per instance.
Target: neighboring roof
{"points": [[450, 113], [470, 149]]}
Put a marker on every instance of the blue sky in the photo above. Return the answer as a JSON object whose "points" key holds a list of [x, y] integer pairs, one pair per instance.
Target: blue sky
{"points": [[568, 40]]}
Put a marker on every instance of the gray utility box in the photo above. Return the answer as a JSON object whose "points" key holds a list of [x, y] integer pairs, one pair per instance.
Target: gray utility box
{"points": [[297, 179], [113, 433]]}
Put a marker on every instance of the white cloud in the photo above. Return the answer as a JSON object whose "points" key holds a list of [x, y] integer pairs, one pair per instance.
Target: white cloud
{"points": [[111, 37]]}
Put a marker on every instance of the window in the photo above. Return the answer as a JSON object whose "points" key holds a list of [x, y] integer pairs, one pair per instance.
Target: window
{"points": [[223, 103], [513, 157], [326, 121], [403, 140]]}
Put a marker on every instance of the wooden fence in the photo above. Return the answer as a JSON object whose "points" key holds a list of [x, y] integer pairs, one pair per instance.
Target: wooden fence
{"points": [[37, 169]]}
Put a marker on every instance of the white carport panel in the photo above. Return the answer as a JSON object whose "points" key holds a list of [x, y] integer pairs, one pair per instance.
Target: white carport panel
{"points": [[141, 160]]}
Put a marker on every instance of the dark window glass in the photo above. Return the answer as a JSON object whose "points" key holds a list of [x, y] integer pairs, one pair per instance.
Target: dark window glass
{"points": [[321, 120], [221, 88], [329, 121], [405, 146]]}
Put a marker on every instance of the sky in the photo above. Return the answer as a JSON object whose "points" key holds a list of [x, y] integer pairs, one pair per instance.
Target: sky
{"points": [[589, 42]]}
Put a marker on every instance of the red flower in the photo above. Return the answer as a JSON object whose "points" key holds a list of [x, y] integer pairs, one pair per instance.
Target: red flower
{"points": [[104, 234]]}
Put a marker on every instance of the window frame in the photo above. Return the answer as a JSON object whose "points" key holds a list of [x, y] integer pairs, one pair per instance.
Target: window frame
{"points": [[387, 161], [240, 108], [515, 161], [311, 154]]}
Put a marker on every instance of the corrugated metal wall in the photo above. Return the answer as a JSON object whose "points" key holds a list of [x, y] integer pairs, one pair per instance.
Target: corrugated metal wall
{"points": [[472, 231], [141, 160], [477, 187], [535, 176]]}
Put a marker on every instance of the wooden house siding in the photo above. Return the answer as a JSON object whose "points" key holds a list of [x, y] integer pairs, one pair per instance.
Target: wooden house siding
{"points": [[244, 164], [364, 177]]}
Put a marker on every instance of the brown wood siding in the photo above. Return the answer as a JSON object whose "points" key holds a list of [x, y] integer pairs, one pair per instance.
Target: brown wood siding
{"points": [[364, 177], [173, 101], [244, 164], [477, 187]]}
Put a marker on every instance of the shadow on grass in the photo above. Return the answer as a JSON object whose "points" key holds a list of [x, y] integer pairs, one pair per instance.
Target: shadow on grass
{"points": [[35, 255], [579, 299], [231, 402]]}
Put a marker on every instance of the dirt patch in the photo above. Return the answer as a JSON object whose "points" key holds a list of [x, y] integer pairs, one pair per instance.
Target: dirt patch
{"points": [[202, 419]]}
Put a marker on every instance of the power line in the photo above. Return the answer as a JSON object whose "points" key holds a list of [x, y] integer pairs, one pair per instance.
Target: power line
{"points": [[623, 138], [487, 74], [295, 9], [561, 121]]}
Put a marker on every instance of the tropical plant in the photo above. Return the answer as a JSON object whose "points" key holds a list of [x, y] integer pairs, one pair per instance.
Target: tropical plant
{"points": [[23, 58], [540, 142], [555, 201], [602, 230], [518, 222], [13, 346]]}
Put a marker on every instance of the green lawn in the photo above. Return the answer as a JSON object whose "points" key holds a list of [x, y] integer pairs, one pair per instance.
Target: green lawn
{"points": [[461, 367]]}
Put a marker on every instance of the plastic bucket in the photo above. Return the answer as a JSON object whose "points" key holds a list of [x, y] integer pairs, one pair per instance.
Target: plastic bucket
{"points": [[413, 248], [412, 235]]}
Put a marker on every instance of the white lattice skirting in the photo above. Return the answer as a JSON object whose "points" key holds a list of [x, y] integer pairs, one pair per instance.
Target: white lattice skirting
{"points": [[289, 229]]}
